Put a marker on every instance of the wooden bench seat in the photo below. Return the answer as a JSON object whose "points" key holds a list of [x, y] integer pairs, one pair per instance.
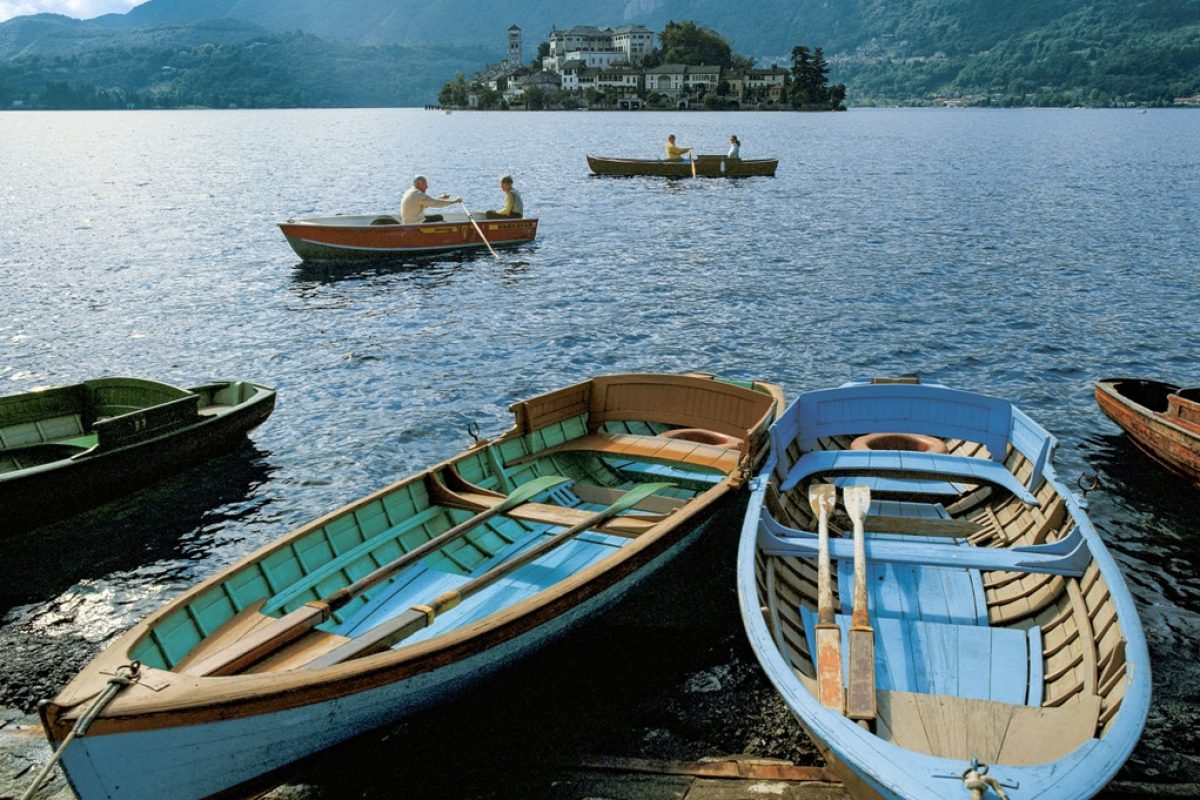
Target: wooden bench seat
{"points": [[1069, 556], [650, 448], [961, 728], [906, 465]]}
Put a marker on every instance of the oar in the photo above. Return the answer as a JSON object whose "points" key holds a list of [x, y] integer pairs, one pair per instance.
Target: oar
{"points": [[692, 154], [257, 645], [403, 625], [479, 230], [830, 682], [860, 703]]}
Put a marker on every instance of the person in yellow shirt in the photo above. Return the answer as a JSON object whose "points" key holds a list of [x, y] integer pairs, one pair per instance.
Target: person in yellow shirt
{"points": [[513, 207], [674, 151]]}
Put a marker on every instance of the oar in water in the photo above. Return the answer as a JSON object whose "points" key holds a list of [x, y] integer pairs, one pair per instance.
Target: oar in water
{"points": [[692, 154], [405, 624], [830, 683], [479, 230], [860, 701], [258, 644]]}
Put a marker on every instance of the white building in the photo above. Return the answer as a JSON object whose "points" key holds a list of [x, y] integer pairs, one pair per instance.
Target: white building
{"points": [[598, 47]]}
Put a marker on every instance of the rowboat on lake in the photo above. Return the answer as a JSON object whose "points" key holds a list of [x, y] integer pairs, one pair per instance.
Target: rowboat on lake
{"points": [[972, 629], [66, 448], [1162, 419], [409, 595], [706, 167], [372, 236]]}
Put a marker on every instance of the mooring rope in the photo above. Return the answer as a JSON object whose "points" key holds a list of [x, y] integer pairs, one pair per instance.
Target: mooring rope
{"points": [[127, 675], [977, 781]]}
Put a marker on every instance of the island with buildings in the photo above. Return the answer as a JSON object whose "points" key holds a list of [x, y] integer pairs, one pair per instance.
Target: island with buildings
{"points": [[620, 68]]}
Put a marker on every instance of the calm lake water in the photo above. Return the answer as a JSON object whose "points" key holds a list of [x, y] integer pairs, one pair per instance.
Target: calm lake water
{"points": [[1020, 253]]}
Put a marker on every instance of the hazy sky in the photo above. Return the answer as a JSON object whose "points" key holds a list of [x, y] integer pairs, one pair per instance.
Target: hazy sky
{"points": [[82, 9]]}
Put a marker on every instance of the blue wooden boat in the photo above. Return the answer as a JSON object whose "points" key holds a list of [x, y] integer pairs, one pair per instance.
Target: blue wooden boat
{"points": [[415, 592], [68, 448], [959, 624]]}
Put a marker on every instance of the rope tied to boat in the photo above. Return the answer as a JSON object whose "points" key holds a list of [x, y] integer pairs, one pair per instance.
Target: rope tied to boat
{"points": [[125, 675], [977, 781]]}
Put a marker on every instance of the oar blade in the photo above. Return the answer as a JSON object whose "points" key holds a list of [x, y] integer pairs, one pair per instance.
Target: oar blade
{"points": [[857, 500], [822, 495], [633, 497], [527, 491]]}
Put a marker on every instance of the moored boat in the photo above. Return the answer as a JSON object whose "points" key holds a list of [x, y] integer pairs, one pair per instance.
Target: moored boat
{"points": [[705, 167], [373, 236], [414, 592], [933, 605], [1162, 419], [67, 448]]}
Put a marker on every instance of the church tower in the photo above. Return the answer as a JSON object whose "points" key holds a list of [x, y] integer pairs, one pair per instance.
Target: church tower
{"points": [[515, 57]]}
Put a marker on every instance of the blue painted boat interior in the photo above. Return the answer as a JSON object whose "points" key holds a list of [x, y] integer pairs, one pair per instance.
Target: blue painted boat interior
{"points": [[1001, 627]]}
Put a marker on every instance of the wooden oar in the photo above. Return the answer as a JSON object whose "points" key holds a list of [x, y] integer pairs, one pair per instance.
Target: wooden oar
{"points": [[479, 230], [259, 644], [860, 702], [830, 683], [692, 154], [405, 624]]}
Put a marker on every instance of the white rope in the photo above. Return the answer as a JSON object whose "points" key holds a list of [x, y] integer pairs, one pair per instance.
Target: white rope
{"points": [[115, 684]]}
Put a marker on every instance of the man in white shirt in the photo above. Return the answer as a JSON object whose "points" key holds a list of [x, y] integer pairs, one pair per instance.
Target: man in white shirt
{"points": [[415, 201]]}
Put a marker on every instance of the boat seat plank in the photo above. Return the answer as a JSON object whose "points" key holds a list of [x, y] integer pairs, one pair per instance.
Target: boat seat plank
{"points": [[604, 495], [906, 464], [627, 524], [1068, 556], [654, 448], [883, 485], [933, 658], [961, 728], [903, 508]]}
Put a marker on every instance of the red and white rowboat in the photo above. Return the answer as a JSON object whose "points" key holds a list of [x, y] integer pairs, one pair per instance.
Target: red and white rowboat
{"points": [[367, 236]]}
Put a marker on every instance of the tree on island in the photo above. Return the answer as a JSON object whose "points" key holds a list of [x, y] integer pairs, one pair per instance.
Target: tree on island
{"points": [[687, 43], [810, 87]]}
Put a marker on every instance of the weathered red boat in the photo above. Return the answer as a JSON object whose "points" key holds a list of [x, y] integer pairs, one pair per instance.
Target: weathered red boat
{"points": [[373, 236], [1162, 419]]}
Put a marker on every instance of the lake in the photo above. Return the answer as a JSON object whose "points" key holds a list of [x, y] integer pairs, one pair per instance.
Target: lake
{"points": [[1023, 253]]}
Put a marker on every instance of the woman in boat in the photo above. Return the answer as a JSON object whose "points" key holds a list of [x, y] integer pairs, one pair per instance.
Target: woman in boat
{"points": [[674, 151], [513, 207], [415, 201], [735, 147]]}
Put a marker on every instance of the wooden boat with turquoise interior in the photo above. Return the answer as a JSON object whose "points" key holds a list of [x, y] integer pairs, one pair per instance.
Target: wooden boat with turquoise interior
{"points": [[67, 448], [1162, 420], [707, 166], [412, 593], [996, 626], [357, 237]]}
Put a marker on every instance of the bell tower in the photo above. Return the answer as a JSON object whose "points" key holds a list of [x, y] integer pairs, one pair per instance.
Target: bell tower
{"points": [[515, 57]]}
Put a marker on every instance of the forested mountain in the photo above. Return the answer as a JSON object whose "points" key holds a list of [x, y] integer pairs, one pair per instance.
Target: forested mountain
{"points": [[893, 51]]}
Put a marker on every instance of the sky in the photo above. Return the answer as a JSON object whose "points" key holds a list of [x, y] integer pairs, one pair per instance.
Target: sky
{"points": [[80, 9]]}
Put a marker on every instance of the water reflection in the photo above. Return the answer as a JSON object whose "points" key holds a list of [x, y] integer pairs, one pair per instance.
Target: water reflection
{"points": [[172, 520]]}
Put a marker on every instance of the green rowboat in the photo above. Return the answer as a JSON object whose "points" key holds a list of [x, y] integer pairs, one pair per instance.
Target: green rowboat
{"points": [[68, 448]]}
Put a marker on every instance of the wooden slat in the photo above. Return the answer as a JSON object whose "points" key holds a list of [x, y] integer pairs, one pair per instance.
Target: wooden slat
{"points": [[653, 448]]}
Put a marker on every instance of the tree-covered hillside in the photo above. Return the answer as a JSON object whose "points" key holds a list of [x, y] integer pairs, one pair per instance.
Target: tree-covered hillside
{"points": [[285, 70], [886, 51]]}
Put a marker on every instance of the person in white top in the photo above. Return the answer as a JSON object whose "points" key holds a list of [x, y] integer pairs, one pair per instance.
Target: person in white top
{"points": [[415, 201], [735, 148]]}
